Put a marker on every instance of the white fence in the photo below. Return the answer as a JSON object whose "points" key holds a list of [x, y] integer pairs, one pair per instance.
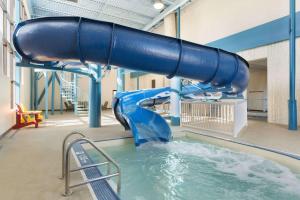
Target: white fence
{"points": [[163, 109], [257, 100], [226, 116]]}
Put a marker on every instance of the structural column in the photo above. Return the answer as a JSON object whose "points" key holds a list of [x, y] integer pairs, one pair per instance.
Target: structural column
{"points": [[293, 122], [137, 82], [46, 95], [120, 80], [60, 92], [75, 92], [35, 86], [95, 98], [53, 93], [175, 85]]}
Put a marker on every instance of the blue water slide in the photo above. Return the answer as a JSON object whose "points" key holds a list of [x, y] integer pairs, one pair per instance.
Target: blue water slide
{"points": [[133, 110], [70, 39]]}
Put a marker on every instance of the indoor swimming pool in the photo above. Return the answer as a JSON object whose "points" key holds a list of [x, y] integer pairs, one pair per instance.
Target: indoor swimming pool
{"points": [[188, 169]]}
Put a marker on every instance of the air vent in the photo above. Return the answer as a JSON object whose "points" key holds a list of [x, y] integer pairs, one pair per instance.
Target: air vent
{"points": [[73, 1]]}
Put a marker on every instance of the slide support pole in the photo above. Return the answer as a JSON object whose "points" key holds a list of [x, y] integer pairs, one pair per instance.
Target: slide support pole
{"points": [[176, 86], [138, 83], [95, 98], [52, 93], [75, 98], [120, 80], [32, 77], [293, 122], [60, 94], [35, 85], [46, 95]]}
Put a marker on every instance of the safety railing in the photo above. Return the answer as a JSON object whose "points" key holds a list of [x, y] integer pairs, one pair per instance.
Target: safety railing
{"points": [[163, 109], [257, 101], [64, 150], [66, 171], [227, 117]]}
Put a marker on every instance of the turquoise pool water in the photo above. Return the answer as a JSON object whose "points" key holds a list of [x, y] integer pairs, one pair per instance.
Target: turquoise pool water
{"points": [[188, 170]]}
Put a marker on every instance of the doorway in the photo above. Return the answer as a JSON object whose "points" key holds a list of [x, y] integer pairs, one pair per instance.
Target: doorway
{"points": [[257, 96]]}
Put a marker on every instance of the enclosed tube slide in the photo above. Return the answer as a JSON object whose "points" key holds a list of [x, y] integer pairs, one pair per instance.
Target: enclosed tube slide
{"points": [[86, 40], [79, 39]]}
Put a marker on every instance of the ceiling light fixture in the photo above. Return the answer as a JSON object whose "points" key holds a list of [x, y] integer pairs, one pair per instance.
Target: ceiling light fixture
{"points": [[158, 5]]}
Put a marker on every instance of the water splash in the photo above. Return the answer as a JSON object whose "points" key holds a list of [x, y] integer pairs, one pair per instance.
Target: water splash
{"points": [[246, 167]]}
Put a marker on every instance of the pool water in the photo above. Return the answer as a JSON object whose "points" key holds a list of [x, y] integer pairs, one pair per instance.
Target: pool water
{"points": [[189, 169]]}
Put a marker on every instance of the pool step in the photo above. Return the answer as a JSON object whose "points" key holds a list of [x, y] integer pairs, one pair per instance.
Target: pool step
{"points": [[101, 188]]}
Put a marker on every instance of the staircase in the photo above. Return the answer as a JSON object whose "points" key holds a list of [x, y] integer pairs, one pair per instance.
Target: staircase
{"points": [[70, 93]]}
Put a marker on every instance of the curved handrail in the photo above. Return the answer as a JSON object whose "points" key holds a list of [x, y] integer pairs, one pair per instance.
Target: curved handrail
{"points": [[67, 166], [64, 150]]}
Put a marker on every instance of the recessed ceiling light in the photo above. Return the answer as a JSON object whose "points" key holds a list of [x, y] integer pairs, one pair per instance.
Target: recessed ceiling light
{"points": [[158, 5]]}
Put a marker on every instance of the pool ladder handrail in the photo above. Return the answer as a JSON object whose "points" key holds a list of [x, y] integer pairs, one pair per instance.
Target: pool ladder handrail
{"points": [[64, 150], [66, 171]]}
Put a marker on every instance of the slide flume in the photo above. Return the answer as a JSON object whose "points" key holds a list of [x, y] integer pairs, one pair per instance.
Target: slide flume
{"points": [[69, 39]]}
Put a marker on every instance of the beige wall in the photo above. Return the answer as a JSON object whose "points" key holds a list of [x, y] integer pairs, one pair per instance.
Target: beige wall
{"points": [[204, 21], [109, 83], [7, 114], [25, 87], [278, 78], [258, 79]]}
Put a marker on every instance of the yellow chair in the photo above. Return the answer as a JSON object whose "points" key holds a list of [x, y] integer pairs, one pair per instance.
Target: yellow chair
{"points": [[26, 118]]}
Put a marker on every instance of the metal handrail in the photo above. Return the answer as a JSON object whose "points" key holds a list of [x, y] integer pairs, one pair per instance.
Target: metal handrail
{"points": [[64, 151], [107, 176]]}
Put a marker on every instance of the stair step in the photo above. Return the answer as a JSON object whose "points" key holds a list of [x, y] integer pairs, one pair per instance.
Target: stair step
{"points": [[82, 109], [82, 114]]}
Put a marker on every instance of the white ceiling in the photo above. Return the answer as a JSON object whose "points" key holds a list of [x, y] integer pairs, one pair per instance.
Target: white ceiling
{"points": [[133, 13]]}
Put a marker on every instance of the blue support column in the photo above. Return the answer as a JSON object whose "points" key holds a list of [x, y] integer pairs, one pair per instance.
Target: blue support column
{"points": [[46, 95], [35, 83], [120, 80], [95, 98], [53, 93], [175, 86], [75, 79], [293, 122], [32, 92], [60, 93]]}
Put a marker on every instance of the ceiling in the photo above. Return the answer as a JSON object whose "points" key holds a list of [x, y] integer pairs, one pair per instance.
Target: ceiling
{"points": [[133, 13]]}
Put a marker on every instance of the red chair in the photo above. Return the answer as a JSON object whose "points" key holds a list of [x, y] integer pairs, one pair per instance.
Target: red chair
{"points": [[27, 118]]}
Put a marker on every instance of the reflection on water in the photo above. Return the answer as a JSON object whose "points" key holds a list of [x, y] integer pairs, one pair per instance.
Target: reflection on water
{"points": [[185, 169]]}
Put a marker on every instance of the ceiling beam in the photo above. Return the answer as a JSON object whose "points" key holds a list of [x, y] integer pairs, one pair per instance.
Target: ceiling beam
{"points": [[43, 12], [167, 11], [124, 6], [57, 4]]}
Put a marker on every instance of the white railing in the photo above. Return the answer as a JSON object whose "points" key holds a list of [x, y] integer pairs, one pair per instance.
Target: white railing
{"points": [[163, 109], [72, 93], [257, 100], [226, 116]]}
